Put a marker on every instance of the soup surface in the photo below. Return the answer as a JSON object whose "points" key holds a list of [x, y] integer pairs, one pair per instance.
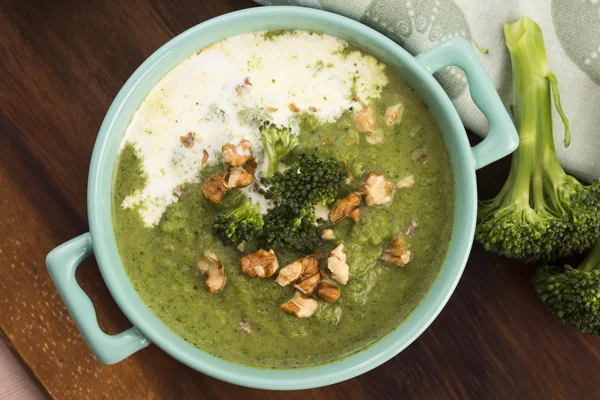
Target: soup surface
{"points": [[317, 86]]}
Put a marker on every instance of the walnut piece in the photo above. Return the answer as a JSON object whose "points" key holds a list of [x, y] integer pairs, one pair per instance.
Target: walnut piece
{"points": [[411, 228], [270, 109], [343, 207], [374, 138], [327, 234], [237, 152], [393, 114], [204, 156], [261, 264], [310, 275], [397, 253], [304, 271], [312, 109], [300, 305], [328, 292], [308, 284], [251, 165], [245, 326], [406, 182], [290, 273], [188, 140], [239, 178], [364, 120], [244, 88], [355, 214], [337, 265], [293, 107], [377, 190], [210, 265], [215, 188]]}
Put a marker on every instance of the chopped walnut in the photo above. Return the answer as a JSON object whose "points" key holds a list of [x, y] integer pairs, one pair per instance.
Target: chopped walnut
{"points": [[290, 273], [308, 284], [178, 191], [377, 190], [237, 152], [310, 275], [343, 207], [305, 272], [251, 165], [210, 265], [312, 109], [374, 138], [355, 214], [423, 158], [270, 109], [406, 182], [411, 228], [420, 156], [204, 156], [245, 326], [328, 292], [397, 253], [244, 88], [293, 107], [215, 188], [327, 234], [239, 178], [261, 264], [300, 305], [337, 265], [310, 265], [188, 140], [364, 120], [393, 114]]}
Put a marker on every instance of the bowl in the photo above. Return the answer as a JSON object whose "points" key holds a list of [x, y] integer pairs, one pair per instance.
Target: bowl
{"points": [[63, 261]]}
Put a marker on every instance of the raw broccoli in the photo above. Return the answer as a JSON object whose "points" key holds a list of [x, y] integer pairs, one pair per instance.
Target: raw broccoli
{"points": [[309, 181], [240, 224], [573, 295], [541, 213], [278, 142]]}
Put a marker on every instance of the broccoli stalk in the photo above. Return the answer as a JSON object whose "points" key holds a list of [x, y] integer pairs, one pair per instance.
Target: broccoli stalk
{"points": [[278, 142], [541, 213], [240, 224], [573, 294]]}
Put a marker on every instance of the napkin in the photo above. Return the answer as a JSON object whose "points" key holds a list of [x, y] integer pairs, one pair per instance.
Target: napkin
{"points": [[571, 31]]}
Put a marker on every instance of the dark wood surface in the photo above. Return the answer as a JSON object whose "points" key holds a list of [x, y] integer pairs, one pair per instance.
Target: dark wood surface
{"points": [[61, 64]]}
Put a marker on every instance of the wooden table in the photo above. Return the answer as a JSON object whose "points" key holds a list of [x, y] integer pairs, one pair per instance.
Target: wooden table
{"points": [[61, 65]]}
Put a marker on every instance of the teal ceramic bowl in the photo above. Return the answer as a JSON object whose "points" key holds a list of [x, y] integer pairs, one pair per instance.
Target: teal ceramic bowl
{"points": [[147, 328]]}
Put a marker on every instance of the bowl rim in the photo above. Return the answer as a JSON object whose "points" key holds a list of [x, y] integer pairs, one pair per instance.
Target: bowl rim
{"points": [[275, 379]]}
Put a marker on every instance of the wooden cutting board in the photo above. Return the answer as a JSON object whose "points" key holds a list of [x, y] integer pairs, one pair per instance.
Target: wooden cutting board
{"points": [[62, 63]]}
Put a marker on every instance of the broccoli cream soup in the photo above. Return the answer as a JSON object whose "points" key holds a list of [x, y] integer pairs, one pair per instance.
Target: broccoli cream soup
{"points": [[282, 199]]}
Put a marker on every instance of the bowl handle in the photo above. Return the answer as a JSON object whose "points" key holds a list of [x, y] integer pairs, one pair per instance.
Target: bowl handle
{"points": [[502, 138], [62, 263]]}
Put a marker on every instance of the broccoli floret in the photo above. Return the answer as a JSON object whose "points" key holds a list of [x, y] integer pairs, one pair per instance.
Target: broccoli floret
{"points": [[309, 181], [278, 142], [240, 224], [541, 213], [573, 294], [289, 227]]}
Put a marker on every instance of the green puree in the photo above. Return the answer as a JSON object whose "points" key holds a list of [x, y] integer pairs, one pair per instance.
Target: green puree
{"points": [[161, 261]]}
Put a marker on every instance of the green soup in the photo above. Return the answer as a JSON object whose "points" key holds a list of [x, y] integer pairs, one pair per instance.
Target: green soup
{"points": [[161, 237]]}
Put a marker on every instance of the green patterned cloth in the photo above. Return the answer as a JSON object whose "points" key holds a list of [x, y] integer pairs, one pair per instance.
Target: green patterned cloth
{"points": [[571, 31]]}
